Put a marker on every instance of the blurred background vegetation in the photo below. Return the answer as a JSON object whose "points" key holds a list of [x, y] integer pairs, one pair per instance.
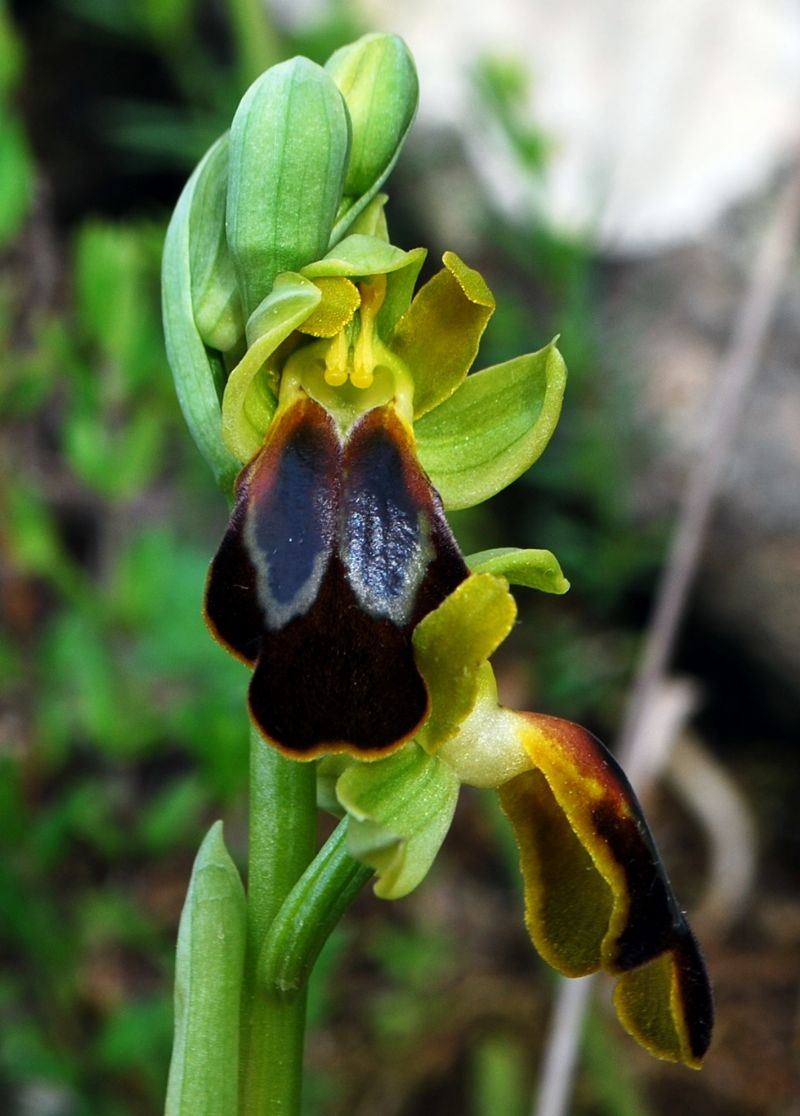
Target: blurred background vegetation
{"points": [[122, 731]]}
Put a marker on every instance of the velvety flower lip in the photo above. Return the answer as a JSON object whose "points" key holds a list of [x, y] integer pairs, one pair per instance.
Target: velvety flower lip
{"points": [[596, 892], [336, 549]]}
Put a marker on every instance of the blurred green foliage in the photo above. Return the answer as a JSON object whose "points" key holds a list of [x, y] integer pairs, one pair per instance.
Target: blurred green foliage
{"points": [[121, 723], [123, 729], [16, 170]]}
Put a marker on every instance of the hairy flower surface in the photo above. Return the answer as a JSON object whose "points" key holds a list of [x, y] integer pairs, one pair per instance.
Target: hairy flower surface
{"points": [[336, 550]]}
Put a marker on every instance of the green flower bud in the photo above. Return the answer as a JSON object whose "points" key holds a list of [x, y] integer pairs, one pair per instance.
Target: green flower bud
{"points": [[378, 80], [289, 145]]}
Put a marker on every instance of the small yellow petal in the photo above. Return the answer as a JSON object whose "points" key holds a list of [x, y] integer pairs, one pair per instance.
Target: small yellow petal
{"points": [[339, 302], [450, 645]]}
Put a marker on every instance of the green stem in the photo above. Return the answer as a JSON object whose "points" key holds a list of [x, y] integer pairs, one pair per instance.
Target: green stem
{"points": [[312, 909], [282, 838], [256, 39]]}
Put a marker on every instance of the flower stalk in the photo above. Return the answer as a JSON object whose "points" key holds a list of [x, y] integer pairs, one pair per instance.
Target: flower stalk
{"points": [[282, 834]]}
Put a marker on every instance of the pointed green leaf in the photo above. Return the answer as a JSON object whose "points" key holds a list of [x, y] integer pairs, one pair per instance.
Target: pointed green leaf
{"points": [[450, 646], [249, 401], [198, 373], [439, 335], [203, 1073], [535, 569], [400, 810], [288, 152], [493, 428]]}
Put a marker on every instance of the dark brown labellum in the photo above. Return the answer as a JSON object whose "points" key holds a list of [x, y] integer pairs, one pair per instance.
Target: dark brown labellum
{"points": [[334, 552]]}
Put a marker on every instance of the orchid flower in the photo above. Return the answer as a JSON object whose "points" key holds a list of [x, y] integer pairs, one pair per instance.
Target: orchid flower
{"points": [[596, 893], [338, 545], [338, 409]]}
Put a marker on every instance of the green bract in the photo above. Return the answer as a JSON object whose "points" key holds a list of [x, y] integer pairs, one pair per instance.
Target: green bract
{"points": [[208, 978]]}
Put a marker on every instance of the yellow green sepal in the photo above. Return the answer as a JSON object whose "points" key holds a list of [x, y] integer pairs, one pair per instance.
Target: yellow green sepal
{"points": [[492, 428], [438, 336], [399, 810]]}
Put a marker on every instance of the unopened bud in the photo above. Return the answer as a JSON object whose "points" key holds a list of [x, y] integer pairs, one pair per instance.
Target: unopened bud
{"points": [[289, 145], [378, 80]]}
